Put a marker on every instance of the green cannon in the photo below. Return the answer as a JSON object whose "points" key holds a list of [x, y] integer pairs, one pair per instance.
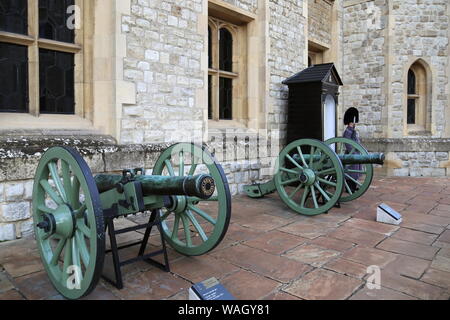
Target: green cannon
{"points": [[313, 176], [187, 194]]}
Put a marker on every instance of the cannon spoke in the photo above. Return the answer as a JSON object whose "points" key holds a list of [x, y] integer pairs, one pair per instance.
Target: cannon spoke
{"points": [[289, 181], [84, 252], [313, 193], [196, 225], [169, 167], [289, 170], [304, 196], [187, 232], [347, 187], [76, 191], [83, 228], [318, 187], [176, 225], [79, 212], [295, 191], [300, 153], [195, 199], [311, 160], [165, 215], [193, 168], [49, 190], [352, 179], [202, 214], [326, 172], [57, 252], [45, 209], [57, 180], [67, 260], [67, 182], [76, 262], [355, 171], [181, 169], [327, 182], [294, 162]]}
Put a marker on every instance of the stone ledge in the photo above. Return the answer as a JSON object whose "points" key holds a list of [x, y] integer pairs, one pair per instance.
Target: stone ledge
{"points": [[407, 145], [20, 154]]}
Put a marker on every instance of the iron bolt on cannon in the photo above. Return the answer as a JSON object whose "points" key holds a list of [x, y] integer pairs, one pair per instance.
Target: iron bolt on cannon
{"points": [[313, 176], [187, 193]]}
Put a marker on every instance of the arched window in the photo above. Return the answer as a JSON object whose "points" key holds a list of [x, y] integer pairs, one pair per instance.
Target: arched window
{"points": [[418, 90], [412, 96], [222, 74]]}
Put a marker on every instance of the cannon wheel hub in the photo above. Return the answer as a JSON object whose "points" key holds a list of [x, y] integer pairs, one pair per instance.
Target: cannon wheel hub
{"points": [[308, 177], [61, 222], [179, 204]]}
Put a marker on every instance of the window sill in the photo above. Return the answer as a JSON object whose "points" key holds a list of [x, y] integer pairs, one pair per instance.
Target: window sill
{"points": [[226, 124], [18, 121], [416, 130]]}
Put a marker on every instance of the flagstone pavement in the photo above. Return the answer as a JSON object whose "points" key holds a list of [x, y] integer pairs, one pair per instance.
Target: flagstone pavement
{"points": [[271, 252]]}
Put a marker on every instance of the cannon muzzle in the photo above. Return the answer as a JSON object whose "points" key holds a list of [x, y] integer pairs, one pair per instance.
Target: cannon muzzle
{"points": [[201, 186]]}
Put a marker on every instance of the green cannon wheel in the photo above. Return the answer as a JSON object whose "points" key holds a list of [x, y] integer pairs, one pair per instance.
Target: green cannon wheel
{"points": [[191, 225], [301, 183], [68, 222], [365, 172]]}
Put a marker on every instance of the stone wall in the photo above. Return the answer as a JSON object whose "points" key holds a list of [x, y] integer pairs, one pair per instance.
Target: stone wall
{"points": [[382, 39], [163, 59], [319, 21], [413, 157], [286, 57], [364, 63], [420, 31], [249, 5]]}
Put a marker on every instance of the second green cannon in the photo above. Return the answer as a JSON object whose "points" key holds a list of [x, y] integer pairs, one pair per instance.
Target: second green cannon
{"points": [[313, 176]]}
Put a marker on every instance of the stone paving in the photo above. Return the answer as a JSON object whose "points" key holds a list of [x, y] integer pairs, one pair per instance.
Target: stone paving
{"points": [[270, 252]]}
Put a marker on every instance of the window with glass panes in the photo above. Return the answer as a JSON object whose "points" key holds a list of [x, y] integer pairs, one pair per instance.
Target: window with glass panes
{"points": [[222, 73], [38, 45]]}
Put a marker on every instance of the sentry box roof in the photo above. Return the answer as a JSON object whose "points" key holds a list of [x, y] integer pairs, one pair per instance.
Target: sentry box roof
{"points": [[325, 72]]}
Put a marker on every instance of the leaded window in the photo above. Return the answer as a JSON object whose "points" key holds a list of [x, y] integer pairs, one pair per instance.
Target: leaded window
{"points": [[14, 78], [412, 96], [13, 16], [222, 69], [38, 49]]}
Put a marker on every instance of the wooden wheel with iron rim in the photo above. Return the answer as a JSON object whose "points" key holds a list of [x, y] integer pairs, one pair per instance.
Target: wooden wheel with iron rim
{"points": [[68, 222], [365, 173], [194, 226], [301, 176]]}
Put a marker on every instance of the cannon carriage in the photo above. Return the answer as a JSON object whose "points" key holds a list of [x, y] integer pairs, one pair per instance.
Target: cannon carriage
{"points": [[313, 176], [187, 194]]}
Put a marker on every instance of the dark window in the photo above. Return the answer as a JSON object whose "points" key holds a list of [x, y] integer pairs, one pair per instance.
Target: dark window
{"points": [[14, 16], [56, 81], [53, 18], [411, 82], [309, 62], [411, 116], [13, 78], [225, 99], [210, 63], [209, 97], [226, 50]]}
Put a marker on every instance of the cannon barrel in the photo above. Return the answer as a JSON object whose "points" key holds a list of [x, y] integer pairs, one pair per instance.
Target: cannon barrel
{"points": [[201, 186], [347, 159]]}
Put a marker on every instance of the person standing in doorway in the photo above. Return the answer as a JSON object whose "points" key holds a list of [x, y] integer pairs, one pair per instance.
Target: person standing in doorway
{"points": [[351, 118]]}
